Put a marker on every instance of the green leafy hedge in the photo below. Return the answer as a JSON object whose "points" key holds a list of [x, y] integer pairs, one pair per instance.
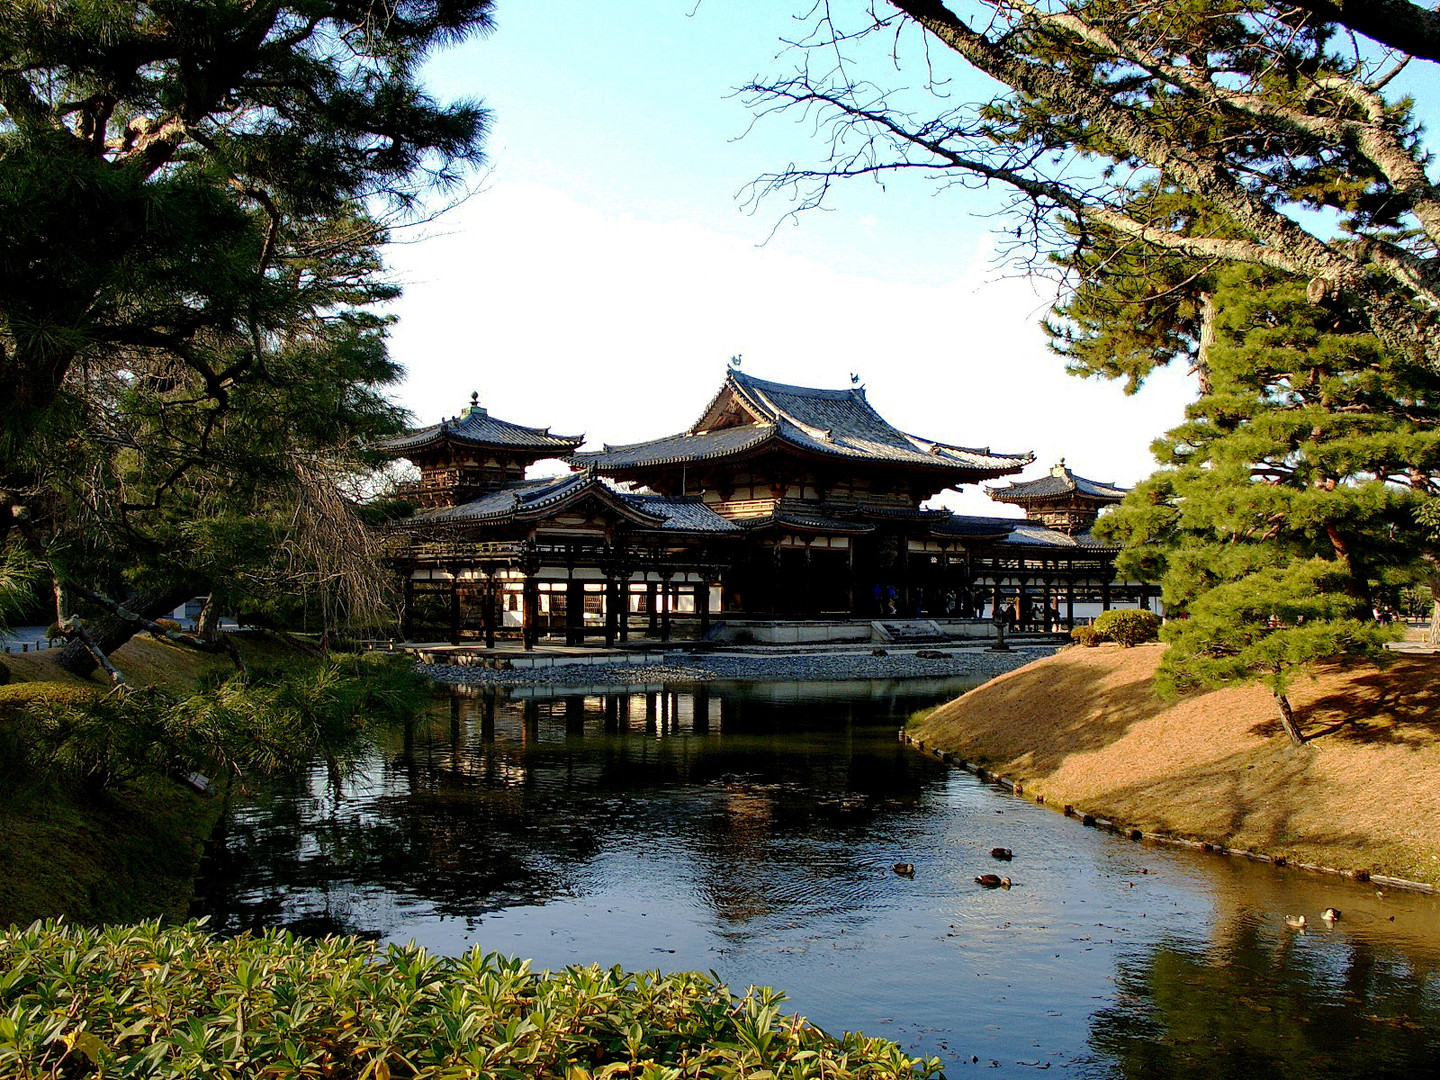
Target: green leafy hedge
{"points": [[1128, 626], [1086, 635], [143, 1001]]}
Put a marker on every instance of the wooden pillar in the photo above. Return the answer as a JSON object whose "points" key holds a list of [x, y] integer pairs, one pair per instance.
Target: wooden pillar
{"points": [[407, 607], [775, 578], [702, 605], [652, 609], [1020, 604], [1045, 599], [668, 597], [454, 608], [1105, 596], [1070, 604], [488, 609], [612, 606], [996, 600], [574, 612], [850, 576], [530, 612], [624, 608]]}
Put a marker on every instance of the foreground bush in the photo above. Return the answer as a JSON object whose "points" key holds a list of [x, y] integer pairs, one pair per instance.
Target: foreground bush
{"points": [[1128, 626], [1085, 635], [145, 1002]]}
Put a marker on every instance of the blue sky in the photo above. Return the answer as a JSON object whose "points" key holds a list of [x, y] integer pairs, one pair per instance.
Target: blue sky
{"points": [[604, 271]]}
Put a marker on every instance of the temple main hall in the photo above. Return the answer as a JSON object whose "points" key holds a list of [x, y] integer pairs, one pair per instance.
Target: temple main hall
{"points": [[780, 503]]}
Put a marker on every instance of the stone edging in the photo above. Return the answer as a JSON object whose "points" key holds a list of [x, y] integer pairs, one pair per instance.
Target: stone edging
{"points": [[1016, 787]]}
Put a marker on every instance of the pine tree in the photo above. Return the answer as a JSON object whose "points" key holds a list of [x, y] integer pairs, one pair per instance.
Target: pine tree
{"points": [[193, 201], [1288, 496]]}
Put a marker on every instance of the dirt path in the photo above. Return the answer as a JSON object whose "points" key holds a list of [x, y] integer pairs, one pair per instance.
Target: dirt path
{"points": [[1083, 727]]}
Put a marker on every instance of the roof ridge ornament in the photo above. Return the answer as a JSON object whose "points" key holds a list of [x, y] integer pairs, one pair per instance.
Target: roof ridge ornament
{"points": [[473, 407]]}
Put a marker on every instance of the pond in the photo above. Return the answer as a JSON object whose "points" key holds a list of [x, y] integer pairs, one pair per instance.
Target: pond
{"points": [[753, 830]]}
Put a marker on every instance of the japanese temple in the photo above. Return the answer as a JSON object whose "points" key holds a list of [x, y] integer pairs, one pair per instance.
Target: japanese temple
{"points": [[779, 503]]}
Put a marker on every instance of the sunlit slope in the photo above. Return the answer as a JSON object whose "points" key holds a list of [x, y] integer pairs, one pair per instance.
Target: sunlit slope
{"points": [[1083, 727]]}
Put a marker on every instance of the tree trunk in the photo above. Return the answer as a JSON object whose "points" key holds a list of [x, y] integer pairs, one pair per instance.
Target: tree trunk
{"points": [[207, 626], [1287, 720], [112, 631], [82, 635], [1432, 635], [1206, 342]]}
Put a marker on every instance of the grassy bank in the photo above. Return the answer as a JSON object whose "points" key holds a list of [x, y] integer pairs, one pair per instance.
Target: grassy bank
{"points": [[1083, 727], [128, 850]]}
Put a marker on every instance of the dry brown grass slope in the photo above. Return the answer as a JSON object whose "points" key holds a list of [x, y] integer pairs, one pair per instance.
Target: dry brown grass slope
{"points": [[148, 661], [1084, 727]]}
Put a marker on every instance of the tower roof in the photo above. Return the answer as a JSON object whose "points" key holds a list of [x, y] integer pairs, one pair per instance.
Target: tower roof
{"points": [[1059, 486], [476, 427]]}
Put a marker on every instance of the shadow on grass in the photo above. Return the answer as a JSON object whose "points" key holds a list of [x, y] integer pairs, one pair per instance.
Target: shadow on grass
{"points": [[1398, 705]]}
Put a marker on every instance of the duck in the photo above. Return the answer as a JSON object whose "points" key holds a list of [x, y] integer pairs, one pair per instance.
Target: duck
{"points": [[1002, 853], [905, 869], [993, 881], [1295, 922], [1330, 914]]}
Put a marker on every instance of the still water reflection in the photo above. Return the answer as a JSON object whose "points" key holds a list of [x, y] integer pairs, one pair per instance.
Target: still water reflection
{"points": [[752, 829]]}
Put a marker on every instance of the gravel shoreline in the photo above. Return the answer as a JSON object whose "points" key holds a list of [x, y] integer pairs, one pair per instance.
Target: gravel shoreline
{"points": [[789, 667]]}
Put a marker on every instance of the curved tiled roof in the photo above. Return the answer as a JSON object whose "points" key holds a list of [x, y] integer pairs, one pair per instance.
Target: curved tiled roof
{"points": [[808, 523], [682, 514], [531, 499], [476, 427], [975, 528], [705, 446], [1020, 531], [827, 423], [1059, 483]]}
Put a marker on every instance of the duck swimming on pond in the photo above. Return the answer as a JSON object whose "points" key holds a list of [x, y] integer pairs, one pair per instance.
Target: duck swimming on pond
{"points": [[1295, 922], [1002, 853], [1330, 914], [905, 869], [993, 881]]}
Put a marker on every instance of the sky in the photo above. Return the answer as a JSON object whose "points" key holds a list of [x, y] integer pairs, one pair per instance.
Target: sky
{"points": [[607, 266]]}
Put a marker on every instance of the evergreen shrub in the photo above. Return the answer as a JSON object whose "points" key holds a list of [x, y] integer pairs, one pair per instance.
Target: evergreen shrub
{"points": [[176, 1002], [1128, 626], [1085, 635], [267, 721]]}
